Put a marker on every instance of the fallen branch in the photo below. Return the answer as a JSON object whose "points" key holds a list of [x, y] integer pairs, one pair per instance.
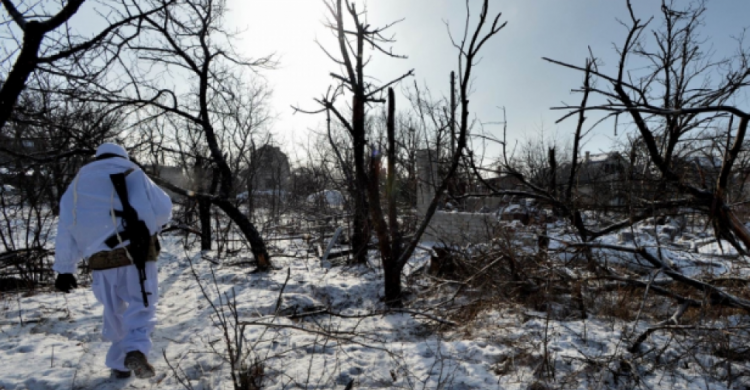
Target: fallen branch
{"points": [[327, 334], [655, 288], [376, 313], [673, 328], [671, 321], [717, 295], [281, 292]]}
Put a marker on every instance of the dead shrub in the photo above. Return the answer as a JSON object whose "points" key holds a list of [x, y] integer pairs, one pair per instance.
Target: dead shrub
{"points": [[251, 377], [503, 272]]}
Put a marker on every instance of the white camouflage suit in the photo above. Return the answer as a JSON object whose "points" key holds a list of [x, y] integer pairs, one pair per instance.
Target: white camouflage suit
{"points": [[86, 222]]}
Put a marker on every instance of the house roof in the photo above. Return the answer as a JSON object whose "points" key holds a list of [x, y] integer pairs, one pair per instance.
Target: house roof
{"points": [[599, 157]]}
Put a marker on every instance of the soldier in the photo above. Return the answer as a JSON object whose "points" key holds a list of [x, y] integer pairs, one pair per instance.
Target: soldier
{"points": [[110, 215]]}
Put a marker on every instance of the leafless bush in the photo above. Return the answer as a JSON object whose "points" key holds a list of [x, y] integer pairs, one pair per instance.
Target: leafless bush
{"points": [[256, 350], [247, 369], [26, 224], [44, 143]]}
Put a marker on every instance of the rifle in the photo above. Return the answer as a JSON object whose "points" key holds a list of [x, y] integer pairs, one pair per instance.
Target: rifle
{"points": [[135, 229]]}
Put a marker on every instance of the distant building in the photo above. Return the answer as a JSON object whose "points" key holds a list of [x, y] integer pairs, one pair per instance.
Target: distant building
{"points": [[17, 145], [11, 167], [271, 170], [597, 176], [600, 167]]}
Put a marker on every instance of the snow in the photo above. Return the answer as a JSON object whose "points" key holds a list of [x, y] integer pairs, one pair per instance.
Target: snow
{"points": [[7, 171], [331, 197], [514, 208], [52, 340], [600, 157]]}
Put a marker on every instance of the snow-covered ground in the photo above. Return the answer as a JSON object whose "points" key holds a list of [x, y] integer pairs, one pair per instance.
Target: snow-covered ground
{"points": [[52, 340]]}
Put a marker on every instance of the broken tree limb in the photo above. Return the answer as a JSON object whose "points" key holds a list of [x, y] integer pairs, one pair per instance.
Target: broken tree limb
{"points": [[321, 311], [675, 318], [717, 295], [655, 288], [633, 348], [281, 291]]}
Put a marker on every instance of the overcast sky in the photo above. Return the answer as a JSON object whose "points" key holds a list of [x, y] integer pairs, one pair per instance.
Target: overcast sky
{"points": [[511, 73]]}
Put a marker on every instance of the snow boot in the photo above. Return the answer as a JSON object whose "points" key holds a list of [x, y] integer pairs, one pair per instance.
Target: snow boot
{"points": [[136, 361], [117, 374]]}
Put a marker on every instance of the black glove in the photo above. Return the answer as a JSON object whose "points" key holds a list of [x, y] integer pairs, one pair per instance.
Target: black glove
{"points": [[65, 282]]}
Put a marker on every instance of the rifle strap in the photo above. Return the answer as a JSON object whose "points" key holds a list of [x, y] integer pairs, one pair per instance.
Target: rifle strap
{"points": [[118, 181]]}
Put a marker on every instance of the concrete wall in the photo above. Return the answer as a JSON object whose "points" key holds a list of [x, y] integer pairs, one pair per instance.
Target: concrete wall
{"points": [[450, 227], [461, 228]]}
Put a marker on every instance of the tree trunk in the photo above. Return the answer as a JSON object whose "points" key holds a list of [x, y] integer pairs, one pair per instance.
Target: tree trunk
{"points": [[552, 173], [204, 214], [384, 240], [24, 66], [392, 279], [393, 227], [389, 238], [257, 245], [361, 234], [204, 205], [250, 205], [391, 247]]}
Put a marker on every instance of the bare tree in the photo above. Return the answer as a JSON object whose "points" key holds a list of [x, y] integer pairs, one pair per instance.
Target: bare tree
{"points": [[42, 124], [32, 180], [49, 45], [352, 59], [191, 43], [677, 97], [687, 144], [241, 129], [394, 254]]}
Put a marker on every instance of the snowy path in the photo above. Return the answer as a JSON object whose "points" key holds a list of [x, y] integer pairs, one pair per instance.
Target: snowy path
{"points": [[59, 344]]}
